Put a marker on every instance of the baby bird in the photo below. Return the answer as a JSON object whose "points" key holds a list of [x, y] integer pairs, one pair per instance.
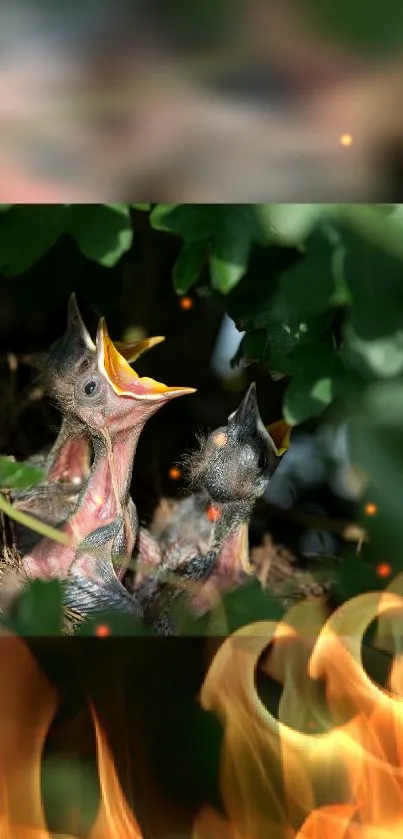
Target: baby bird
{"points": [[102, 394], [68, 463], [232, 468]]}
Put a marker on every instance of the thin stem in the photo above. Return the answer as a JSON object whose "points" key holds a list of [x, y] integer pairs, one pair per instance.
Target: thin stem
{"points": [[33, 523]]}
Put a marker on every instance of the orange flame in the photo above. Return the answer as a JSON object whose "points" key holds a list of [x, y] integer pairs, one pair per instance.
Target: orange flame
{"points": [[278, 779], [27, 706], [329, 767]]}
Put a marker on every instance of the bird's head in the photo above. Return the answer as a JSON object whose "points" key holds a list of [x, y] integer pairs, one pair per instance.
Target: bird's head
{"points": [[94, 383], [236, 461]]}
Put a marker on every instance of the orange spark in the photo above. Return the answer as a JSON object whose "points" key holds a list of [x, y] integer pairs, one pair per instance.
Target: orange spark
{"points": [[383, 569], [175, 473], [370, 509], [186, 303], [102, 630], [346, 140], [213, 513]]}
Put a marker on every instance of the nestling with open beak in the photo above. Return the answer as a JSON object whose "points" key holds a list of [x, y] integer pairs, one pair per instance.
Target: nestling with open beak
{"points": [[68, 463], [232, 468], [104, 395]]}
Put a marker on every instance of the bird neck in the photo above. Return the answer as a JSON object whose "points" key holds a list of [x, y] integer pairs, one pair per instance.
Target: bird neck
{"points": [[106, 492], [70, 457], [233, 515]]}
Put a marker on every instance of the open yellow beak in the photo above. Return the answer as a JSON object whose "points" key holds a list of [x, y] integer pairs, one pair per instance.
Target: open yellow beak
{"points": [[132, 351], [115, 367], [280, 434]]}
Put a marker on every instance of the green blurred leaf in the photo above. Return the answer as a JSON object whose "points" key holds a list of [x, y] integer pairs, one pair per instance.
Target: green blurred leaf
{"points": [[317, 376], [190, 221], [229, 228], [143, 207], [250, 303], [376, 447], [373, 336], [253, 345], [188, 265], [293, 223], [103, 232], [26, 233], [316, 283], [371, 27], [231, 247], [39, 610], [244, 605], [285, 340], [15, 475]]}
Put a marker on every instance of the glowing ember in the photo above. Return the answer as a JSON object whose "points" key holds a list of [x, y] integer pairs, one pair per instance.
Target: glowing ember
{"points": [[175, 473], [102, 631], [186, 303], [383, 569], [213, 513], [346, 140], [370, 509]]}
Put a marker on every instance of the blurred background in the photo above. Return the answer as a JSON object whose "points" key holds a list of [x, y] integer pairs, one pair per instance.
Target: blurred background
{"points": [[201, 101]]}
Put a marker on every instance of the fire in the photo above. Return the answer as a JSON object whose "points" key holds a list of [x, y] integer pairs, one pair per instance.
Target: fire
{"points": [[280, 780], [325, 762], [27, 706]]}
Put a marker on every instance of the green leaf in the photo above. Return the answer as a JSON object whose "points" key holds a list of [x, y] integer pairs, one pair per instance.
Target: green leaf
{"points": [[230, 228], [144, 207], [39, 610], [284, 340], [250, 303], [316, 283], [253, 345], [103, 232], [244, 605], [373, 336], [317, 376], [188, 265], [14, 475], [383, 401], [231, 248], [377, 448], [26, 233], [293, 223], [190, 221]]}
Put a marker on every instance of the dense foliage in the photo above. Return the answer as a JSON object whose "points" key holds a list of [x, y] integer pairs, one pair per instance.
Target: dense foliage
{"points": [[317, 289]]}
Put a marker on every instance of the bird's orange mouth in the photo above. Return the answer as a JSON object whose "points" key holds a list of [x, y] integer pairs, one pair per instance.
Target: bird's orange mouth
{"points": [[280, 434], [115, 367]]}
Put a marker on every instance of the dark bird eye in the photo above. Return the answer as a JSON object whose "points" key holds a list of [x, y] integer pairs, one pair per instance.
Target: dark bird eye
{"points": [[263, 462], [90, 388]]}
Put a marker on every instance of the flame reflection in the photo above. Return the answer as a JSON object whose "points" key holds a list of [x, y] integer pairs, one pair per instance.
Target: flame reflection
{"points": [[331, 765], [28, 703], [328, 765]]}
